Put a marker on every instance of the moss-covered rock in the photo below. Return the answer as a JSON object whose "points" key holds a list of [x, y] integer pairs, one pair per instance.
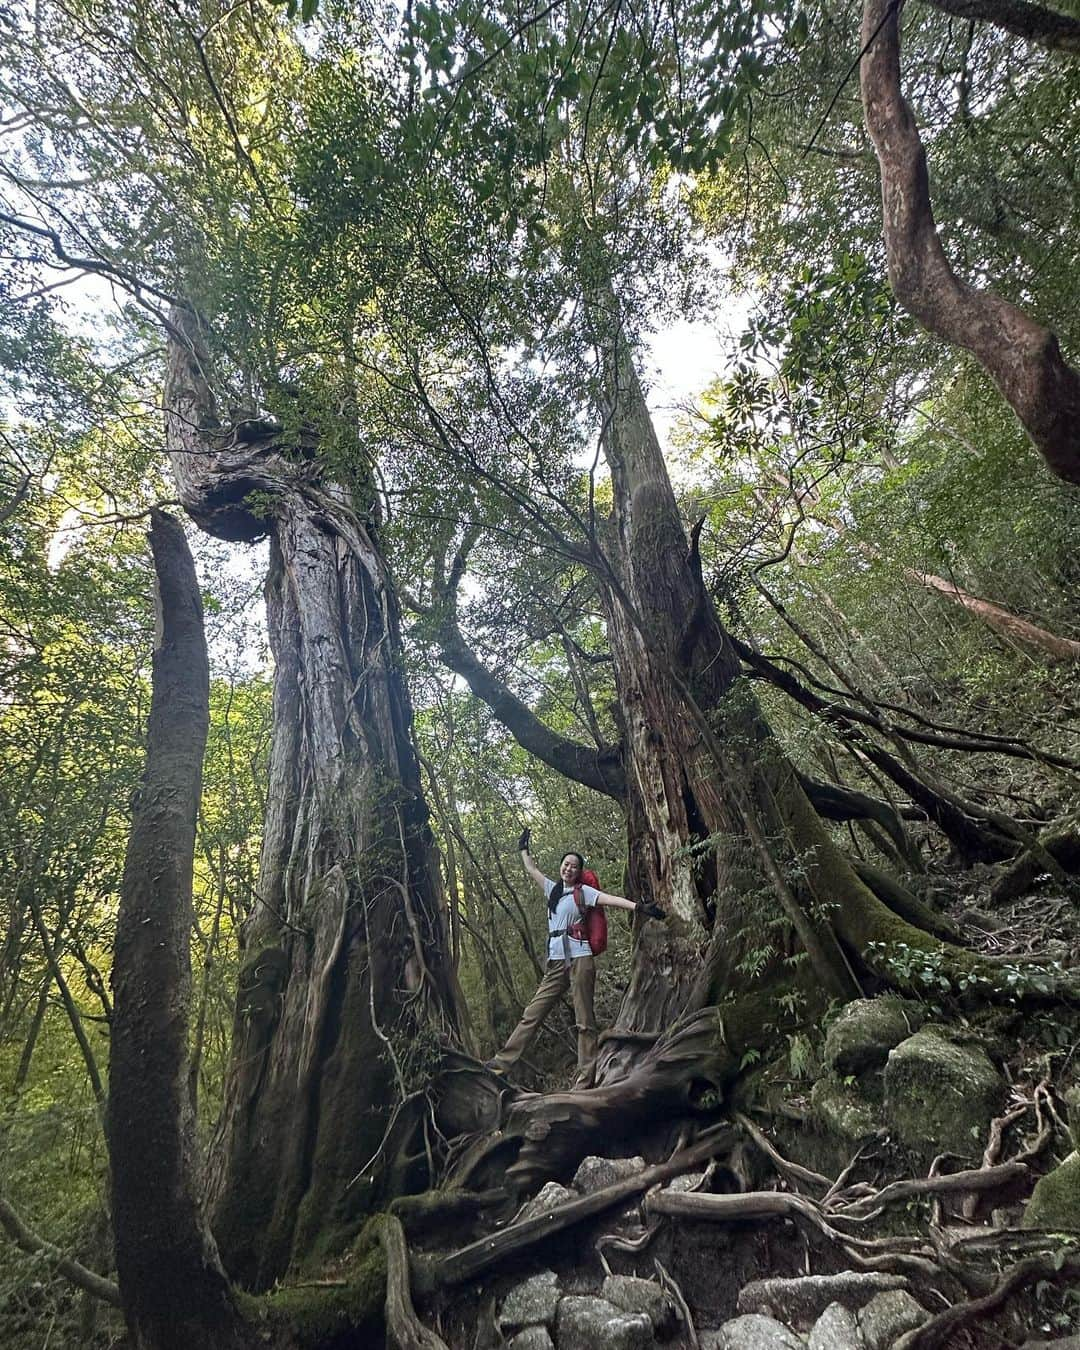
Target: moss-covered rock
{"points": [[941, 1094], [1072, 1107], [867, 1029], [840, 1109], [1055, 1201]]}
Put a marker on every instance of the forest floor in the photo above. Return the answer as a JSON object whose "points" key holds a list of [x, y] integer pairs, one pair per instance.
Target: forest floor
{"points": [[878, 1191]]}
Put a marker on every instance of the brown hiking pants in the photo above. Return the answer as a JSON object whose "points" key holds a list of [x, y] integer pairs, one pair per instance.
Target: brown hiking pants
{"points": [[580, 979]]}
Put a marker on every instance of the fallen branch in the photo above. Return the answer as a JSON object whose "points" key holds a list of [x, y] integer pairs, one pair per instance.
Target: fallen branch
{"points": [[441, 1271]]}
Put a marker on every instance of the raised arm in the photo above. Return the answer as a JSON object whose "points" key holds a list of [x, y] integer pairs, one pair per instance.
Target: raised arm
{"points": [[527, 860]]}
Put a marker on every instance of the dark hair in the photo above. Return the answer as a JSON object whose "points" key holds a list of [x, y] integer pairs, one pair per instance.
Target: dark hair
{"points": [[559, 890]]}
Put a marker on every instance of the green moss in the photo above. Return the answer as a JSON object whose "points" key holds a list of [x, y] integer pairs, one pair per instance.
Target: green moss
{"points": [[867, 1029], [1055, 1201], [323, 1316], [941, 1095], [840, 1110]]}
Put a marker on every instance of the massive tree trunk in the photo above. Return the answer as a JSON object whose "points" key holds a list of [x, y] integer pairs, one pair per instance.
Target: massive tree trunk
{"points": [[346, 988], [174, 1291]]}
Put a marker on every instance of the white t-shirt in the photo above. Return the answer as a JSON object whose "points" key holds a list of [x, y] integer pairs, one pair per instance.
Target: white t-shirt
{"points": [[566, 915]]}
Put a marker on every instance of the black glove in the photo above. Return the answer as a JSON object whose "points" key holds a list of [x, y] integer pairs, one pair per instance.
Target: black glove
{"points": [[523, 842], [650, 911]]}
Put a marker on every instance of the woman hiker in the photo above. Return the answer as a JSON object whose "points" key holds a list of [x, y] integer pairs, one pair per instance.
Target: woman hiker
{"points": [[570, 962]]}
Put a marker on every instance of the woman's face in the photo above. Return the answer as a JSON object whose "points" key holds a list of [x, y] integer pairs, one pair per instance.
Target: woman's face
{"points": [[570, 869]]}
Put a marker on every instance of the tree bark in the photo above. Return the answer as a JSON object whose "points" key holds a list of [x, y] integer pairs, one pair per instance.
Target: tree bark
{"points": [[1021, 356], [1047, 28], [1000, 619], [174, 1291], [346, 987]]}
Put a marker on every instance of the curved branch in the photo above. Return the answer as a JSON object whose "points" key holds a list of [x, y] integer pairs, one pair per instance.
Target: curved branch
{"points": [[28, 1241], [599, 769], [1021, 356], [1035, 23]]}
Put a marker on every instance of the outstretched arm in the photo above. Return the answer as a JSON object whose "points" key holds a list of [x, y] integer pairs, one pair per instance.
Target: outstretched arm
{"points": [[615, 901], [621, 902]]}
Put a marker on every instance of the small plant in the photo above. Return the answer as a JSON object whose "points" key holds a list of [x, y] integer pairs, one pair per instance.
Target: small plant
{"points": [[916, 969]]}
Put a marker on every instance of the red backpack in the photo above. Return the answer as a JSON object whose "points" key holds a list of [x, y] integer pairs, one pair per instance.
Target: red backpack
{"points": [[592, 927]]}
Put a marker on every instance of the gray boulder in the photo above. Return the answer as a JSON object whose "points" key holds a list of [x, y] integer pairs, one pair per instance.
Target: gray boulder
{"points": [[1055, 1201], [596, 1174], [531, 1303], [841, 1110], [586, 1323], [635, 1295], [532, 1338], [689, 1181], [887, 1316], [751, 1332], [548, 1198], [801, 1301], [866, 1030], [940, 1095], [835, 1329]]}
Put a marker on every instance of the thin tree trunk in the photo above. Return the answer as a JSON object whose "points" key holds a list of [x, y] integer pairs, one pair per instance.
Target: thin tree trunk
{"points": [[70, 1006], [175, 1293], [34, 1030]]}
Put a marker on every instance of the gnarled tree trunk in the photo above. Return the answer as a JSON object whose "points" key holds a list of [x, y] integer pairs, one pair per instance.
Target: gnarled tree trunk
{"points": [[346, 987], [174, 1291], [1021, 356]]}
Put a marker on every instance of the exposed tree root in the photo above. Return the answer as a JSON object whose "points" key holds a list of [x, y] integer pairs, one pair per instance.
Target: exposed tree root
{"points": [[939, 1330], [907, 906], [552, 1133], [1060, 850], [900, 1256], [465, 1264], [404, 1328]]}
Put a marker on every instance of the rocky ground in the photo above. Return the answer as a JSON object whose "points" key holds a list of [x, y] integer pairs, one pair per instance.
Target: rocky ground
{"points": [[915, 1184]]}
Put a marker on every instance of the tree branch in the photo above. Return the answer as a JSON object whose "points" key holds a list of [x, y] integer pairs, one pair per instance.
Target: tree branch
{"points": [[28, 1241], [601, 769], [1045, 27]]}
